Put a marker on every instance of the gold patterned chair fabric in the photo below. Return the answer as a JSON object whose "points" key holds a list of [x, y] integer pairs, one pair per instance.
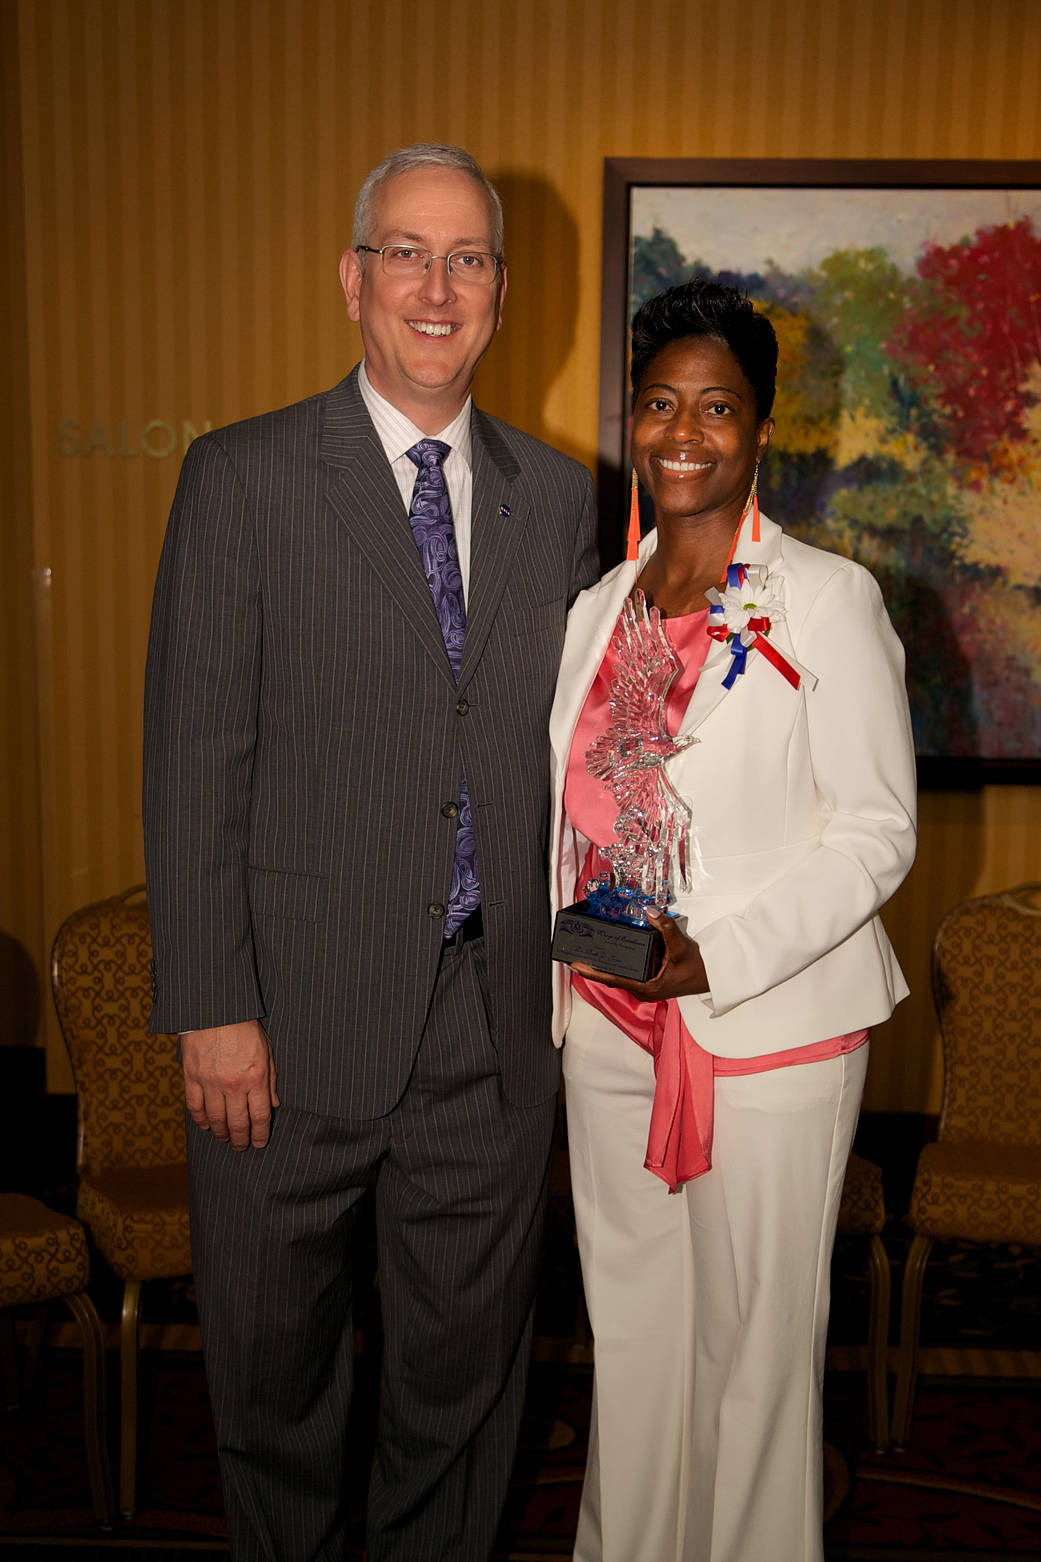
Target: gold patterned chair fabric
{"points": [[862, 1213], [133, 1191], [863, 1210], [43, 1256], [981, 1181]]}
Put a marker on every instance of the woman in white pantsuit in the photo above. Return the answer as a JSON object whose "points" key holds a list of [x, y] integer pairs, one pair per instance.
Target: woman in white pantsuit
{"points": [[733, 1077]]}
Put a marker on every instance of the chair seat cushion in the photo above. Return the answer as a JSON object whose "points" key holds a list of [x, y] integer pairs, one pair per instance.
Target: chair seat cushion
{"points": [[138, 1217], [863, 1210], [42, 1254], [978, 1192]]}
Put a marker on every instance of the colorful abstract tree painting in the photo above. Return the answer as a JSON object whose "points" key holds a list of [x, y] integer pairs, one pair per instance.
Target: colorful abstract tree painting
{"points": [[908, 419]]}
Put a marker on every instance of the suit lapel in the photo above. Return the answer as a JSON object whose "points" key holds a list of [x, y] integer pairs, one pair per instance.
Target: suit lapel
{"points": [[494, 536], [365, 499]]}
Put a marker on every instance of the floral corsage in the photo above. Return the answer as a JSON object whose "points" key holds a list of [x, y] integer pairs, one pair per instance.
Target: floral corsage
{"points": [[742, 615]]}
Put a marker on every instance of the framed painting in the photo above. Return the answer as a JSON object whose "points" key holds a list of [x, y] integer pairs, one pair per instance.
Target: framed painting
{"points": [[906, 297]]}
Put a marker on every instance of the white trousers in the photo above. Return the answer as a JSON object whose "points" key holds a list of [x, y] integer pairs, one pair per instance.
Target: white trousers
{"points": [[709, 1308]]}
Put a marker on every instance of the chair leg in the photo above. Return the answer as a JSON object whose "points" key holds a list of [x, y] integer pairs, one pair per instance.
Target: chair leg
{"points": [[910, 1325], [38, 1331], [95, 1433], [128, 1353], [9, 1363], [878, 1345]]}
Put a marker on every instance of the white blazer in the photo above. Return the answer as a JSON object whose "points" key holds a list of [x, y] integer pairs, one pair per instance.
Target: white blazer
{"points": [[803, 805]]}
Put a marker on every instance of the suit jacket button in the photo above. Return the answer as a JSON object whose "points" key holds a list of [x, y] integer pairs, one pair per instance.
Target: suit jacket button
{"points": [[462, 706], [450, 810], [435, 909]]}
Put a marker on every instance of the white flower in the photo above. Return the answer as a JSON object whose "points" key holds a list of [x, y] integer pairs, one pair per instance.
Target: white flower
{"points": [[757, 597], [743, 617]]}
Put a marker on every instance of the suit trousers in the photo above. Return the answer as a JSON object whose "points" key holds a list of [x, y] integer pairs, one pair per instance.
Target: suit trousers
{"points": [[461, 1178], [709, 1308]]}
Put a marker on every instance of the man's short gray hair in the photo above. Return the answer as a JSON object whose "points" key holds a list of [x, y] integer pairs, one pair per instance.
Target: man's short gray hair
{"points": [[425, 154]]}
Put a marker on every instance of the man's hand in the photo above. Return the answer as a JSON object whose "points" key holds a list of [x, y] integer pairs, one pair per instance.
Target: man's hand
{"points": [[681, 972], [229, 1082]]}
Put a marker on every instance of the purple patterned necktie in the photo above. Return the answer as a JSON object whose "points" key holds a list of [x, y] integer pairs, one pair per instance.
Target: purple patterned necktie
{"points": [[430, 516]]}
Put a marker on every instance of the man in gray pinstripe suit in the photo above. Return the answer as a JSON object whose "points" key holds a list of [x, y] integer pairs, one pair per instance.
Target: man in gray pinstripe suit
{"points": [[309, 754]]}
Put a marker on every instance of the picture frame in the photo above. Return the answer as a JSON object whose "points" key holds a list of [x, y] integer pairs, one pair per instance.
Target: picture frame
{"points": [[906, 296]]}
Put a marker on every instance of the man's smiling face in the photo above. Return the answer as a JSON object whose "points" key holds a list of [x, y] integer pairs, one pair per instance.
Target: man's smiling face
{"points": [[424, 336]]}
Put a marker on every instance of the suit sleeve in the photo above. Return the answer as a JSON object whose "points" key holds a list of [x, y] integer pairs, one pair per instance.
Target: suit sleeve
{"points": [[862, 754], [201, 697], [585, 562]]}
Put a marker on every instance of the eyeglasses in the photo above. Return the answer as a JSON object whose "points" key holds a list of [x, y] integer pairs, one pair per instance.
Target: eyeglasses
{"points": [[469, 266]]}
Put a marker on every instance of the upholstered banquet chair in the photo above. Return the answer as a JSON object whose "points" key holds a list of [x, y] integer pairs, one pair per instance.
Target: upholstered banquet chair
{"points": [[862, 1213], [981, 1180], [43, 1256], [133, 1191]]}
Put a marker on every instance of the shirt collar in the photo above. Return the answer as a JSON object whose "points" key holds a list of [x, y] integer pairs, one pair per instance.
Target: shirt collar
{"points": [[398, 433]]}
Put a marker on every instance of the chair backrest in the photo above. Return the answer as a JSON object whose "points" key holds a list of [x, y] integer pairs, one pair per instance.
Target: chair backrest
{"points": [[129, 1087], [986, 971]]}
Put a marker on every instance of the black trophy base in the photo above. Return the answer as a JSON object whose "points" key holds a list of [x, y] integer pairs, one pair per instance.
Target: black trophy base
{"points": [[618, 948]]}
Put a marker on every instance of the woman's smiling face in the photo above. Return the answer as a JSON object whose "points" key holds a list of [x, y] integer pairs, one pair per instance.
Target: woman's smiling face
{"points": [[696, 431]]}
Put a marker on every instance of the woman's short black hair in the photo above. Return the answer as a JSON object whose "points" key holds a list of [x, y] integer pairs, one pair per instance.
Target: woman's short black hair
{"points": [[705, 308]]}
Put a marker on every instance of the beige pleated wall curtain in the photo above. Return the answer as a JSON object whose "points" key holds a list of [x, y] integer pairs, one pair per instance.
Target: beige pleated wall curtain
{"points": [[177, 188]]}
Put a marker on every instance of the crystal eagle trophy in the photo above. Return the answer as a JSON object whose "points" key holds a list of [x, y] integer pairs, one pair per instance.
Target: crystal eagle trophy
{"points": [[609, 928]]}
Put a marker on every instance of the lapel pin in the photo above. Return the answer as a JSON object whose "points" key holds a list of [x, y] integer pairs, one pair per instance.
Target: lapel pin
{"points": [[504, 511]]}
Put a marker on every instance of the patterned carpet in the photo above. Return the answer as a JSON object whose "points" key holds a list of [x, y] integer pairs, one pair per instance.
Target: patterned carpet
{"points": [[966, 1489], [968, 1486]]}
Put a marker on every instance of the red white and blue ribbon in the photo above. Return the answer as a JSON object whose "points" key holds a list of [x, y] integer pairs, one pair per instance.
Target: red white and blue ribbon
{"points": [[742, 616]]}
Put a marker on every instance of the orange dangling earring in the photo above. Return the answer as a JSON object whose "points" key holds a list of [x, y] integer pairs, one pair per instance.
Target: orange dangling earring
{"points": [[632, 536], [753, 502]]}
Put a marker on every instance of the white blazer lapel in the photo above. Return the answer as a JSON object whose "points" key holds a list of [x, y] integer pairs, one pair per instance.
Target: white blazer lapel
{"points": [[708, 690], [589, 628]]}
